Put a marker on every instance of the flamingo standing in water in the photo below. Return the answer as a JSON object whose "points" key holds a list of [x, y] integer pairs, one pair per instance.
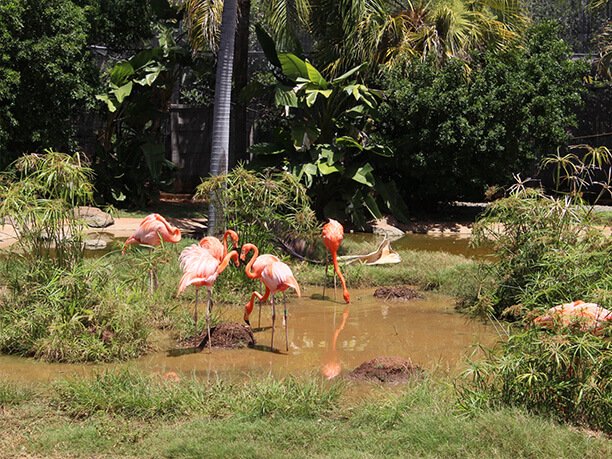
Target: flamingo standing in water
{"points": [[277, 277], [202, 269], [217, 248], [332, 236], [253, 270], [152, 231]]}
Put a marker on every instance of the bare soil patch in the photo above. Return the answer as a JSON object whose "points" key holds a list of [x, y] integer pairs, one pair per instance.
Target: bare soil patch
{"points": [[226, 335], [397, 292], [393, 370]]}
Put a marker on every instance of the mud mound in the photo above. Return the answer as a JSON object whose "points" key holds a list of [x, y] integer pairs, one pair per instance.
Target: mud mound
{"points": [[229, 335], [401, 292], [395, 370]]}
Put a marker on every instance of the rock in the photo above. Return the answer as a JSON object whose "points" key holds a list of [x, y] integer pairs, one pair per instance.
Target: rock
{"points": [[383, 228], [94, 217], [95, 244], [395, 370]]}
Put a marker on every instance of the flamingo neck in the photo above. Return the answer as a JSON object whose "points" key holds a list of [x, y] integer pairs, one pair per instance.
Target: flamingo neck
{"points": [[232, 255], [249, 267], [345, 292]]}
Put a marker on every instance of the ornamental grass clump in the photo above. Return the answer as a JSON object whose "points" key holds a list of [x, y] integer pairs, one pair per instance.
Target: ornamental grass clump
{"points": [[54, 304]]}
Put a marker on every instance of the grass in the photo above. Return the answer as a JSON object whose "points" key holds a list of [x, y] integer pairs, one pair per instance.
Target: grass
{"points": [[136, 415]]}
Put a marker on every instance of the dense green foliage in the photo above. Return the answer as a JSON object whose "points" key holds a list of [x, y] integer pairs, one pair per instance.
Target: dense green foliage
{"points": [[46, 75], [456, 134], [563, 373], [325, 140]]}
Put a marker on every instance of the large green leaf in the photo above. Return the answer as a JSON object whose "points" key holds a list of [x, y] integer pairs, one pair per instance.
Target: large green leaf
{"points": [[121, 73], [354, 70], [315, 76], [293, 66], [326, 169], [110, 102], [155, 156], [285, 96], [266, 148], [123, 92], [267, 46], [391, 198], [363, 175]]}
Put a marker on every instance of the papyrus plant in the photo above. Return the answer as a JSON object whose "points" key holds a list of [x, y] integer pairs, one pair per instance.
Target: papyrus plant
{"points": [[38, 196]]}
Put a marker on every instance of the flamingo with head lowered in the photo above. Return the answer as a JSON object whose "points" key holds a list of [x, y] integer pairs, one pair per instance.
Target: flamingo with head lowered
{"points": [[332, 236], [253, 270], [152, 231], [202, 269]]}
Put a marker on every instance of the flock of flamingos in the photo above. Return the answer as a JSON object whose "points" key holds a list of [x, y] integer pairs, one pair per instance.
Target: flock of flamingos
{"points": [[202, 263]]}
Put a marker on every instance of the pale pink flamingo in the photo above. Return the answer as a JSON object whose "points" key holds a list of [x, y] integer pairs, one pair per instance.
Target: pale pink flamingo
{"points": [[332, 236], [253, 270], [277, 277], [152, 231], [588, 316], [202, 269], [217, 248]]}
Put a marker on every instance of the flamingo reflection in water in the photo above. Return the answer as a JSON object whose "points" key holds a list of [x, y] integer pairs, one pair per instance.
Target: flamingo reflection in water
{"points": [[331, 363]]}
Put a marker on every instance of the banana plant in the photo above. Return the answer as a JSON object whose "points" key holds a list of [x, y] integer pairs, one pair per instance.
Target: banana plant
{"points": [[326, 143]]}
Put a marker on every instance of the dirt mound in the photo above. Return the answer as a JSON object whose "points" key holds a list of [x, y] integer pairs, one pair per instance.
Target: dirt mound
{"points": [[401, 292], [395, 370], [229, 335]]}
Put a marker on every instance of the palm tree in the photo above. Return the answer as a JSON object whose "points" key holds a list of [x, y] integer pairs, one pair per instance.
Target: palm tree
{"points": [[383, 31]]}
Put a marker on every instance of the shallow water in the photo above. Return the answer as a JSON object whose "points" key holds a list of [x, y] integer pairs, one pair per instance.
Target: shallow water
{"points": [[455, 244], [325, 336]]}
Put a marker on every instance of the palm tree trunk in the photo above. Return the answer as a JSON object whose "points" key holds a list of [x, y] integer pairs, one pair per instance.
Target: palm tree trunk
{"points": [[219, 154]]}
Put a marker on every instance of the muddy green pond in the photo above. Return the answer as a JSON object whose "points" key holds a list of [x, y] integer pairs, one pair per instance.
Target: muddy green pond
{"points": [[325, 337]]}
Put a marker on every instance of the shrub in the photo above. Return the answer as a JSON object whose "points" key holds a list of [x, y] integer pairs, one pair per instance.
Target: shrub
{"points": [[456, 134]]}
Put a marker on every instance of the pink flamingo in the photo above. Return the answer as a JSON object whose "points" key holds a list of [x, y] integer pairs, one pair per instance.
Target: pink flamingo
{"points": [[202, 269], [277, 277], [152, 231], [588, 316], [332, 236], [217, 248], [253, 270]]}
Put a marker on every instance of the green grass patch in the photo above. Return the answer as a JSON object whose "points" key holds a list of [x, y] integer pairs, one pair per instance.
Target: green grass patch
{"points": [[136, 415]]}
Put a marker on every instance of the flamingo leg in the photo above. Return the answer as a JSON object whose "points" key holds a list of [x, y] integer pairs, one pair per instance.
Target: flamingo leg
{"points": [[195, 314], [151, 282], [273, 318], [208, 308], [285, 322], [325, 278], [259, 320]]}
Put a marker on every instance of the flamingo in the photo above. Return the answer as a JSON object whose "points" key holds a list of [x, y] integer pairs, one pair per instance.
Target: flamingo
{"points": [[333, 232], [152, 231], [587, 315], [253, 270], [217, 248], [277, 277], [202, 269]]}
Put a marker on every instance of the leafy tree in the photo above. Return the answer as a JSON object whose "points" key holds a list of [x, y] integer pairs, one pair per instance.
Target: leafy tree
{"points": [[455, 136], [45, 74], [325, 142]]}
